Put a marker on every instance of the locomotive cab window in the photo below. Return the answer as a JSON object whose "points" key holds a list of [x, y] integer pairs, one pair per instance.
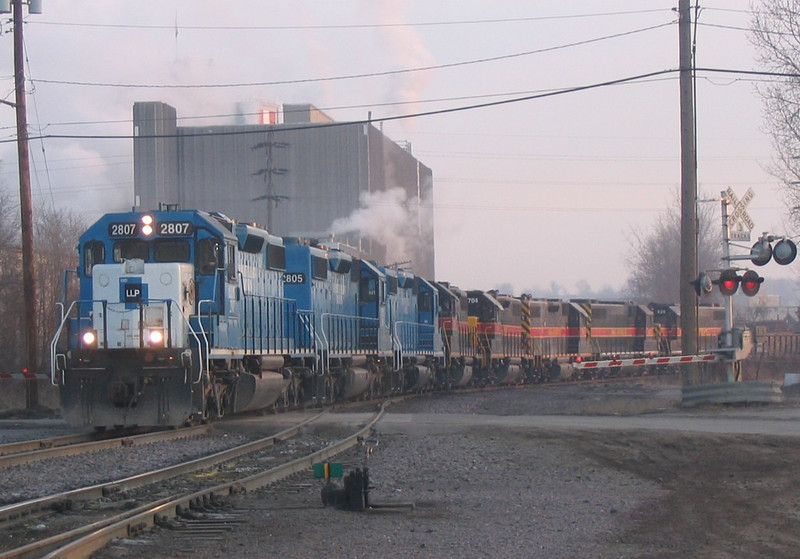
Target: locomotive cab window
{"points": [[368, 290], [207, 255], [171, 251], [320, 267], [425, 301], [94, 252], [127, 250], [230, 262], [276, 255]]}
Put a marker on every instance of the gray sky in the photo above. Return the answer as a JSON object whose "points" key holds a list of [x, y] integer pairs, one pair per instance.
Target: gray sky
{"points": [[526, 193]]}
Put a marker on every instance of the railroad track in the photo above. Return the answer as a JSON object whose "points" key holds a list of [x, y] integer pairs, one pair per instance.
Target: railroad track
{"points": [[172, 501], [24, 452]]}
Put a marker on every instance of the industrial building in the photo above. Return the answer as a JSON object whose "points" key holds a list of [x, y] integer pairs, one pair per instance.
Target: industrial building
{"points": [[296, 172]]}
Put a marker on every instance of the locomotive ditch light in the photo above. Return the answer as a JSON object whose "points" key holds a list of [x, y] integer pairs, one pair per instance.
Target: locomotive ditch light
{"points": [[728, 282], [761, 253], [751, 283], [89, 339], [702, 285], [147, 225], [784, 252]]}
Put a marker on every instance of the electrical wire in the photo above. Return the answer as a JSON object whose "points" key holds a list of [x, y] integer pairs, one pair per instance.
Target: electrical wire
{"points": [[344, 26], [360, 75], [474, 106]]}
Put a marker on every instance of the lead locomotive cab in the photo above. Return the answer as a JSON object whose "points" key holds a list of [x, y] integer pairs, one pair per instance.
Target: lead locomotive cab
{"points": [[133, 338]]}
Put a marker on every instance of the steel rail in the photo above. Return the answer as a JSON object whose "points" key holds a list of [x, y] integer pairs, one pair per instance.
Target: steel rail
{"points": [[141, 521], [53, 451], [43, 504]]}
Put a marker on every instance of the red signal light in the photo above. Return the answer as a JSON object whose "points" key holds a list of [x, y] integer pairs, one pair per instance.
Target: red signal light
{"points": [[728, 282], [751, 283], [729, 285]]}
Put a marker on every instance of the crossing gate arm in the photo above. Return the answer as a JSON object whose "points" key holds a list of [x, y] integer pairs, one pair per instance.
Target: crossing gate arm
{"points": [[643, 361]]}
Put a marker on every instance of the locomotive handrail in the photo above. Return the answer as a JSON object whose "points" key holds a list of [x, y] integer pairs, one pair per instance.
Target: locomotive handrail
{"points": [[355, 323], [203, 332], [54, 344], [397, 347]]}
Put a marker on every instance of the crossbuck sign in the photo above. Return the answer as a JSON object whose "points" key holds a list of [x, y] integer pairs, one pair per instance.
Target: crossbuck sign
{"points": [[739, 223]]}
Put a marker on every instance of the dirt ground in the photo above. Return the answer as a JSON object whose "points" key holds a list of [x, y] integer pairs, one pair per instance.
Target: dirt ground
{"points": [[542, 492], [726, 496]]}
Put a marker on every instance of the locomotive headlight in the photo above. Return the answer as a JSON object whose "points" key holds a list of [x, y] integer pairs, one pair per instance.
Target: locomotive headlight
{"points": [[156, 337], [147, 225], [89, 339]]}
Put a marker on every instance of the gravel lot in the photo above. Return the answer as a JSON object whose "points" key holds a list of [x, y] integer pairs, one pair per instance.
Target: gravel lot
{"points": [[522, 492]]}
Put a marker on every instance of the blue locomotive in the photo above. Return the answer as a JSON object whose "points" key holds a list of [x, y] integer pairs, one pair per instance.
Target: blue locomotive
{"points": [[185, 315]]}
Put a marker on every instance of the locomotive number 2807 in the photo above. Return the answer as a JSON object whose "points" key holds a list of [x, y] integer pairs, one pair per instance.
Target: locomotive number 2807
{"points": [[174, 228], [123, 229]]}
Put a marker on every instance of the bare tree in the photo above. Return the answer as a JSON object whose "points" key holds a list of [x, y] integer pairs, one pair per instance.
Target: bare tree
{"points": [[776, 36], [654, 261], [57, 235], [11, 310]]}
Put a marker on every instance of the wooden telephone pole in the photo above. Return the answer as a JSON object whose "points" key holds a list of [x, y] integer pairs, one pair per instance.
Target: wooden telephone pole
{"points": [[688, 271], [25, 204]]}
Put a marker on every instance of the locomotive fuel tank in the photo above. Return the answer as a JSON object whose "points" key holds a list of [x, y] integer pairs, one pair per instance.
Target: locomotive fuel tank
{"points": [[418, 377], [255, 392], [562, 371], [460, 375], [509, 374], [356, 382]]}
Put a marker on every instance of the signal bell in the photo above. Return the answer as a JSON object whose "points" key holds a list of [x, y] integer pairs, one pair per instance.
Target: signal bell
{"points": [[702, 285]]}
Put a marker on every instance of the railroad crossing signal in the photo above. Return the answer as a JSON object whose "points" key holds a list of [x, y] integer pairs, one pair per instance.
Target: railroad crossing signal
{"points": [[729, 282], [739, 221]]}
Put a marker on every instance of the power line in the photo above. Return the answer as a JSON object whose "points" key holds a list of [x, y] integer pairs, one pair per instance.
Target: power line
{"points": [[361, 75], [173, 27], [641, 78], [555, 93], [340, 107]]}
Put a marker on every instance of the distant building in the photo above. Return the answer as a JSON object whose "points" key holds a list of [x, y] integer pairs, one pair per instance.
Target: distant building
{"points": [[295, 171]]}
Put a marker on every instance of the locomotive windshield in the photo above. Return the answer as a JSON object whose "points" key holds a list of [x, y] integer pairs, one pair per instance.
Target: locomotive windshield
{"points": [[171, 251], [127, 250], [94, 252]]}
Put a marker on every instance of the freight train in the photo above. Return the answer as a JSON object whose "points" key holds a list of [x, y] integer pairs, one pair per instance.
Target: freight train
{"points": [[185, 315]]}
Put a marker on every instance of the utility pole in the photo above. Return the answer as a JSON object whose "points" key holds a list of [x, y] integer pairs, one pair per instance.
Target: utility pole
{"points": [[688, 271], [25, 203]]}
